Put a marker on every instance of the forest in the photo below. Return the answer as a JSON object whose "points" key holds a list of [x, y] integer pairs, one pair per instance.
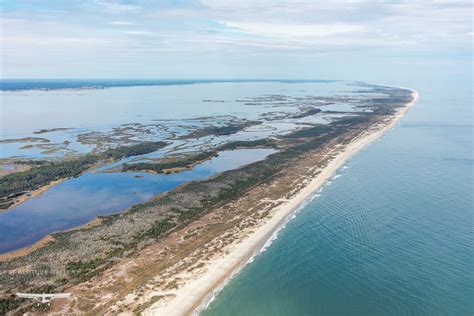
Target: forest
{"points": [[161, 167]]}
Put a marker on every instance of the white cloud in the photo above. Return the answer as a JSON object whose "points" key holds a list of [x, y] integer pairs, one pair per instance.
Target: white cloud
{"points": [[293, 30], [137, 32], [115, 6], [120, 23], [112, 30]]}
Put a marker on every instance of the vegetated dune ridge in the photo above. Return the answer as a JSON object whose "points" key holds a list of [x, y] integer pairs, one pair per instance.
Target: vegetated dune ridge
{"points": [[198, 291]]}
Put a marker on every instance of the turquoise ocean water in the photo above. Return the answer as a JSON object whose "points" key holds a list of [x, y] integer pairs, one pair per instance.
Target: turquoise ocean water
{"points": [[391, 234]]}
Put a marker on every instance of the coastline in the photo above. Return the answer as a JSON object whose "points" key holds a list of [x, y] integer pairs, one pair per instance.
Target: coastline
{"points": [[195, 294], [23, 251], [34, 193], [27, 249]]}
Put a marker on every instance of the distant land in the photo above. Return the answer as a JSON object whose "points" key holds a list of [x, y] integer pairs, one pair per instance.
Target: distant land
{"points": [[55, 84]]}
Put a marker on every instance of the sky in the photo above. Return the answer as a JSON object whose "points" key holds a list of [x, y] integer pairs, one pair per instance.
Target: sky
{"points": [[242, 39]]}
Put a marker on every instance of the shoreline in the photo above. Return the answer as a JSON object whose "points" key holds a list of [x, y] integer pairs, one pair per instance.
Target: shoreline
{"points": [[20, 252], [196, 294], [23, 251], [35, 193]]}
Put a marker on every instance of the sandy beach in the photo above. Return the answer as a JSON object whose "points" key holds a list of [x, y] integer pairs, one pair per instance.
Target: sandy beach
{"points": [[197, 290]]}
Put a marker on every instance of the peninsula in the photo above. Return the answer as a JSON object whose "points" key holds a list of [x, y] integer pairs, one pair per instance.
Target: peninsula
{"points": [[169, 254]]}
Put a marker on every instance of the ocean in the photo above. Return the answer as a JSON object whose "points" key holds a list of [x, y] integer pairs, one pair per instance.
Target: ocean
{"points": [[390, 234]]}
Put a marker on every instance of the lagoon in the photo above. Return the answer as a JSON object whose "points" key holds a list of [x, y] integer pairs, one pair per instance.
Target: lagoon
{"points": [[77, 201]]}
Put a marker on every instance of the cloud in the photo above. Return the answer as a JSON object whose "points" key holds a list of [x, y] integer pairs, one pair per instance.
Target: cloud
{"points": [[127, 31], [293, 30], [137, 32], [115, 6], [120, 23]]}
